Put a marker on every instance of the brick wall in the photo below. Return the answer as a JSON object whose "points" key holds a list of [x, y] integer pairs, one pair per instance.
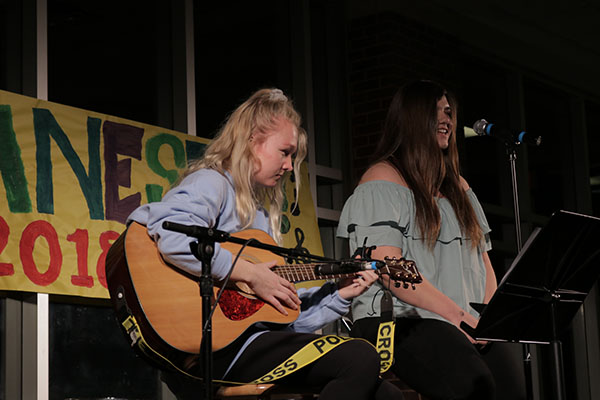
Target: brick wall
{"points": [[385, 50]]}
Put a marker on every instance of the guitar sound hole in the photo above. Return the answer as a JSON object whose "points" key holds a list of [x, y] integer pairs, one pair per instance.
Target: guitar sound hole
{"points": [[237, 307]]}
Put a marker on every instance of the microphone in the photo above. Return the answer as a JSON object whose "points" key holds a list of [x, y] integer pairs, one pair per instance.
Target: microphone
{"points": [[484, 128], [348, 267], [196, 231]]}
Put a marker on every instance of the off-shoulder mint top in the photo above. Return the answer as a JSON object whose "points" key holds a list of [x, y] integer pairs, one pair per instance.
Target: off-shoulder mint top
{"points": [[383, 214]]}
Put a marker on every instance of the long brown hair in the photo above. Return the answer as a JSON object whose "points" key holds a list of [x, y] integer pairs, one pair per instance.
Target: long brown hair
{"points": [[409, 143]]}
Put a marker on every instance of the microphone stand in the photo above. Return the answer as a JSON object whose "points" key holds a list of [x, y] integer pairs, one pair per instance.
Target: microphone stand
{"points": [[203, 250], [511, 150], [482, 127]]}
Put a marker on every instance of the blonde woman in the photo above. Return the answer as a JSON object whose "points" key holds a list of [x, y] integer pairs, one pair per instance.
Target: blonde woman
{"points": [[259, 144]]}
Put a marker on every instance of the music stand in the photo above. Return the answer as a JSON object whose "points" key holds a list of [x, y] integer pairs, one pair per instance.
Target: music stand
{"points": [[545, 286]]}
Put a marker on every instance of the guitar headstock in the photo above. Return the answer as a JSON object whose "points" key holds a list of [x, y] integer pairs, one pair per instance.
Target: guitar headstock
{"points": [[402, 271]]}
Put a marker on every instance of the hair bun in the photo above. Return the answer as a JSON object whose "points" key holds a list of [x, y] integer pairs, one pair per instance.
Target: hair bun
{"points": [[277, 95]]}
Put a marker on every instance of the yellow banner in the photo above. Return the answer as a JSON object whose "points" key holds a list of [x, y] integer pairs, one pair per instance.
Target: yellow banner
{"points": [[70, 179]]}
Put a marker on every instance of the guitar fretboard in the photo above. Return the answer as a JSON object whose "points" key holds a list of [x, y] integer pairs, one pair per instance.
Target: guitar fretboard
{"points": [[306, 272]]}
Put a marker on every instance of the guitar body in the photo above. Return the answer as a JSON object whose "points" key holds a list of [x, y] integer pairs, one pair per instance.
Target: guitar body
{"points": [[166, 305]]}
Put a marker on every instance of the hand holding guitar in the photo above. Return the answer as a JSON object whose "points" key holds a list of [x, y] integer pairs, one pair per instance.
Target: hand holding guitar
{"points": [[352, 287], [136, 272], [267, 285]]}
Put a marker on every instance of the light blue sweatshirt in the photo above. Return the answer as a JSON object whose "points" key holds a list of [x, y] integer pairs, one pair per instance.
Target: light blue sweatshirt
{"points": [[207, 198]]}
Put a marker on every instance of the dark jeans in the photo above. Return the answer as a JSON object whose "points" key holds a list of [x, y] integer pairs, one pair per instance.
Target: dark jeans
{"points": [[438, 361], [350, 371]]}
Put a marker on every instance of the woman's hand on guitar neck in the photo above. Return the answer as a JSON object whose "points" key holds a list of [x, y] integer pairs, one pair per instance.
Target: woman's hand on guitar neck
{"points": [[352, 287], [267, 285]]}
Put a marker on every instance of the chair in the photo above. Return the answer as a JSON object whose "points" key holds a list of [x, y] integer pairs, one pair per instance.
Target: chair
{"points": [[265, 392], [184, 387], [407, 391]]}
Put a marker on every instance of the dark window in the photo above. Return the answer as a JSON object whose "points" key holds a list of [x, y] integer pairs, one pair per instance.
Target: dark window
{"points": [[11, 45], [592, 111], [91, 358], [485, 96], [241, 47], [547, 114], [104, 56]]}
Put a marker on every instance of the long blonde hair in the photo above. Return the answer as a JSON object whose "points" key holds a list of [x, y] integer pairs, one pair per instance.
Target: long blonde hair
{"points": [[231, 151]]}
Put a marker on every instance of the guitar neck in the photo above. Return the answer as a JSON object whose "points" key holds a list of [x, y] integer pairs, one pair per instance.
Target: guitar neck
{"points": [[306, 272]]}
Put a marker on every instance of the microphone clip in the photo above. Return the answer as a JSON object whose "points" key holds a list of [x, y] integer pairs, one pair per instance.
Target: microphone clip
{"points": [[364, 251]]}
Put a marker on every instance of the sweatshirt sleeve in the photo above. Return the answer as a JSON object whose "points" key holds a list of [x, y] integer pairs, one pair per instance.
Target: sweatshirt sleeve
{"points": [[197, 200], [320, 306]]}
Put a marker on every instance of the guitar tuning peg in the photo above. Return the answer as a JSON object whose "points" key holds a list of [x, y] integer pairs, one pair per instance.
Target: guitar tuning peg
{"points": [[405, 285], [413, 286], [397, 284]]}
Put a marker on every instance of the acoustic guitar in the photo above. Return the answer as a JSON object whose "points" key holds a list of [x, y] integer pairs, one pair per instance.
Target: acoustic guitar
{"points": [[160, 309]]}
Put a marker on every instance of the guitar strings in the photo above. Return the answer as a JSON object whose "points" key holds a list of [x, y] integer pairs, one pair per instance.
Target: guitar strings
{"points": [[306, 272]]}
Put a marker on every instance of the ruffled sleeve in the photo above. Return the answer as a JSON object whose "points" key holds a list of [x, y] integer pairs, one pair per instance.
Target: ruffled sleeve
{"points": [[383, 214], [377, 213], [486, 242]]}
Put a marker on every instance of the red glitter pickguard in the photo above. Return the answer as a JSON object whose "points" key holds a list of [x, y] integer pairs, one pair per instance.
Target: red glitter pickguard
{"points": [[237, 307]]}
